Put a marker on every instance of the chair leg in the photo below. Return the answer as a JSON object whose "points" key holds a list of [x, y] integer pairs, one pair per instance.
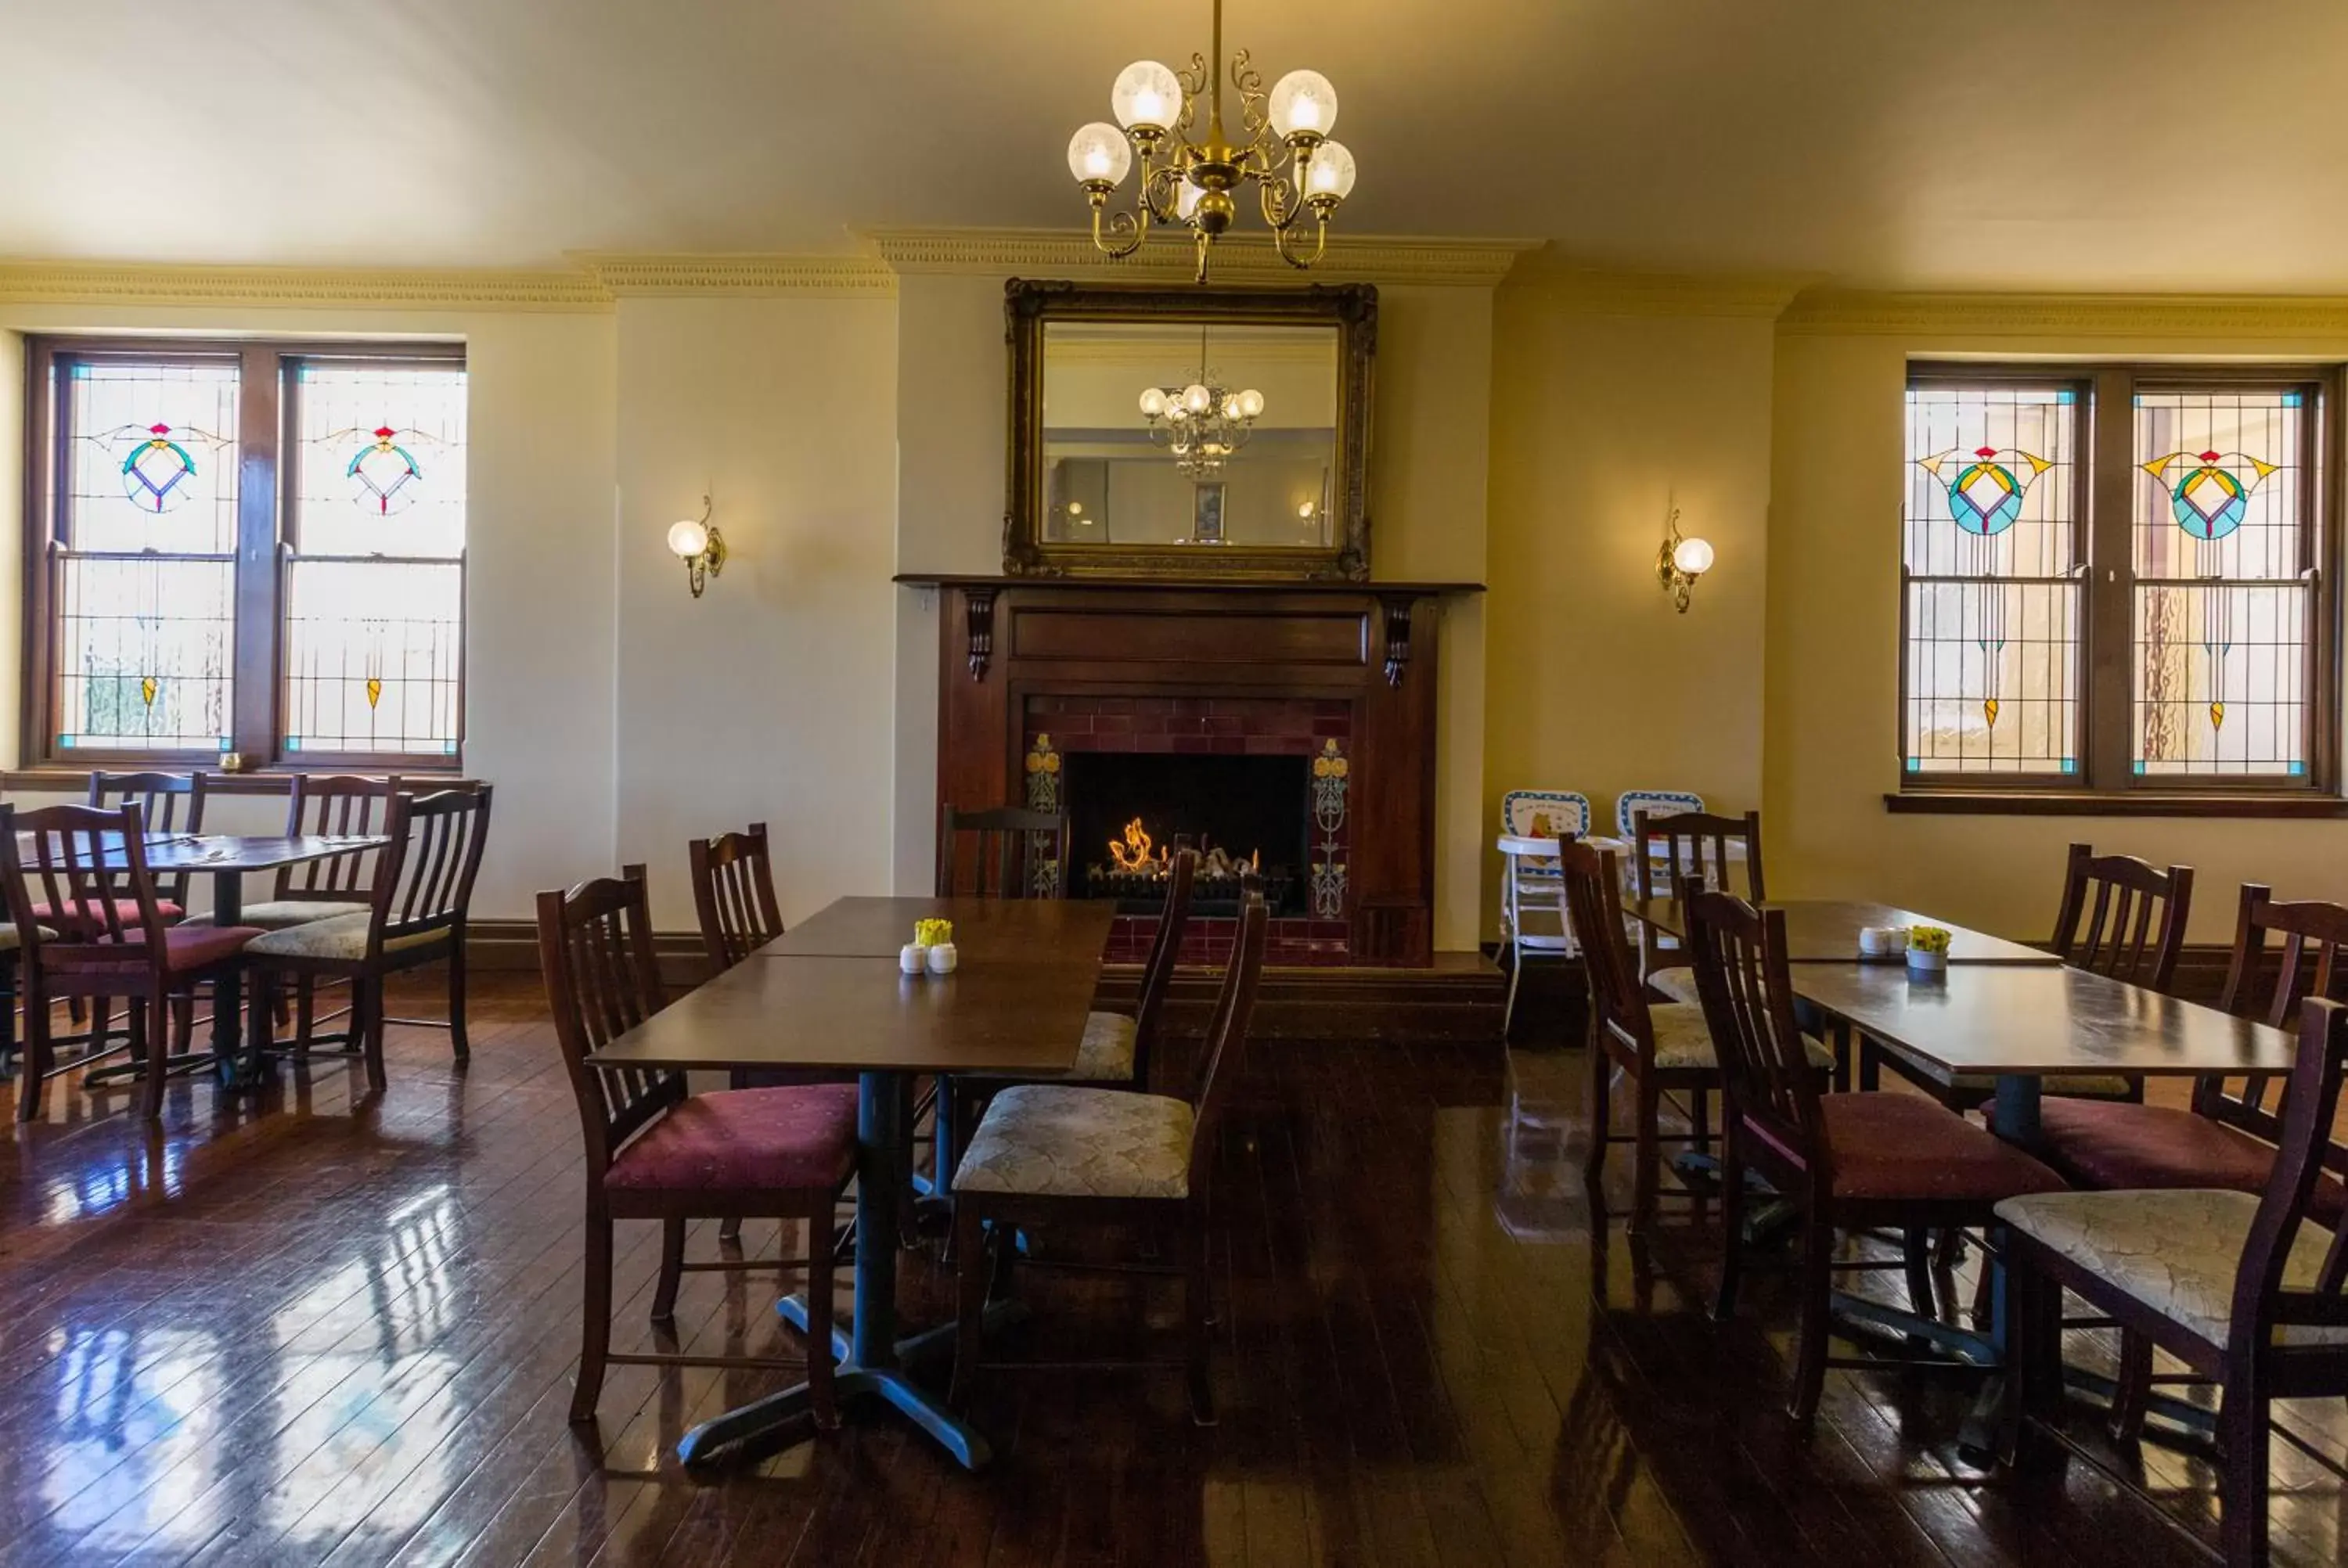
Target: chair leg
{"points": [[1700, 1117], [2242, 1474], [147, 1026], [458, 1041], [40, 1059], [183, 1024], [2132, 1392], [1817, 1306], [594, 1319], [729, 1231], [1198, 1303], [1602, 1124], [821, 1396], [672, 1269], [1917, 1245], [1647, 1156], [1516, 976], [305, 1014], [366, 1004], [1732, 1217], [970, 1271]]}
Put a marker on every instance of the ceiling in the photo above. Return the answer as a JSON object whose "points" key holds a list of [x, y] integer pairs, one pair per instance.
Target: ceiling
{"points": [[2080, 144]]}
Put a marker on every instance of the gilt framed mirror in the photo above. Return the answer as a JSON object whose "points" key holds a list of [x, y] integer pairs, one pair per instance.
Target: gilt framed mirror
{"points": [[1190, 433]]}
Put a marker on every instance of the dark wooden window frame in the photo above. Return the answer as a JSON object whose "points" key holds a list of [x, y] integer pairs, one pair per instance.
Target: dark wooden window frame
{"points": [[268, 526], [2108, 784]]}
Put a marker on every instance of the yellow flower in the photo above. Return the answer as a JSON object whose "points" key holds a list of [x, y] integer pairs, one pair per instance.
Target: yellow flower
{"points": [[932, 933], [1928, 940]]}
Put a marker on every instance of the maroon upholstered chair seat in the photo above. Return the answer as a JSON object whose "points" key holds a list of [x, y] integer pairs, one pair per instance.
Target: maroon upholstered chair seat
{"points": [[185, 947], [2112, 1145], [800, 1136], [81, 916], [1906, 1147]]}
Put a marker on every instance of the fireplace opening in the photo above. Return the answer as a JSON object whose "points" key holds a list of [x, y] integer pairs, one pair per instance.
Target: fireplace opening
{"points": [[1255, 810]]}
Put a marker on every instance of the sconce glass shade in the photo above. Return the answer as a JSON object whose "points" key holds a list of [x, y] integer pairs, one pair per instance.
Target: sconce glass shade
{"points": [[1250, 403], [687, 539], [1153, 402], [1197, 398], [1693, 557], [1331, 173], [1147, 97], [1302, 101], [1098, 153]]}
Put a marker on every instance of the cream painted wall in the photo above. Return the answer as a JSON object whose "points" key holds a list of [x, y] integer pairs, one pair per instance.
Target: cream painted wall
{"points": [[1832, 685], [540, 635], [1601, 424], [769, 698]]}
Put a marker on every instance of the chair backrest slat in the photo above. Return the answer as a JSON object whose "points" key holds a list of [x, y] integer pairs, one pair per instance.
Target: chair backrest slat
{"points": [[1165, 953], [337, 805], [1226, 1041], [426, 881], [2122, 918], [81, 871], [1748, 993], [1594, 902], [1696, 843], [167, 802], [595, 954], [2311, 1108], [1020, 854], [733, 895]]}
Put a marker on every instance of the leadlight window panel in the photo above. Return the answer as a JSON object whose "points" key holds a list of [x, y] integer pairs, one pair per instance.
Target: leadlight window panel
{"points": [[1991, 555], [143, 568], [2220, 545], [375, 585]]}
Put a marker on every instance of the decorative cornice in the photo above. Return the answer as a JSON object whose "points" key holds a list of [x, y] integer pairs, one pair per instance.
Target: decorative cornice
{"points": [[134, 283], [1602, 292], [1826, 311], [1238, 257], [840, 276]]}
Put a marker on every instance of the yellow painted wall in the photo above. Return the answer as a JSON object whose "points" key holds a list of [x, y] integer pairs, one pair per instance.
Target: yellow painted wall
{"points": [[1602, 421], [1832, 728]]}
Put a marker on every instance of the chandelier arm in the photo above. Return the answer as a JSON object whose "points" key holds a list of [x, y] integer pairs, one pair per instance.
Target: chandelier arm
{"points": [[1159, 188], [1279, 201], [1124, 231], [1320, 245]]}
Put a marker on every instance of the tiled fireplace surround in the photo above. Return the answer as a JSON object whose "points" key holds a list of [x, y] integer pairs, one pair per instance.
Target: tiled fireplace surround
{"points": [[1319, 729]]}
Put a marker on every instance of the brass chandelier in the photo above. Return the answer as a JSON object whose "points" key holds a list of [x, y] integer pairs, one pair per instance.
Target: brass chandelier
{"points": [[1297, 170], [1203, 423]]}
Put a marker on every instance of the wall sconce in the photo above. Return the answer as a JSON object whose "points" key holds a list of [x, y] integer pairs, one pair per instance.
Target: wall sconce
{"points": [[1681, 562], [697, 542]]}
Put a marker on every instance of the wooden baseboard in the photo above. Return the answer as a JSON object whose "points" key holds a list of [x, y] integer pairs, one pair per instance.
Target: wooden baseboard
{"points": [[1459, 998]]}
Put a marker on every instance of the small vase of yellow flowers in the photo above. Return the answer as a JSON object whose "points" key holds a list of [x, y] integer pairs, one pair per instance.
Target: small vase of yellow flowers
{"points": [[1928, 951], [934, 940]]}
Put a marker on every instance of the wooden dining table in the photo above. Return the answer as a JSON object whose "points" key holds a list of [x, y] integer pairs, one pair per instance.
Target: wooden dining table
{"points": [[228, 860], [1825, 931], [1016, 1004]]}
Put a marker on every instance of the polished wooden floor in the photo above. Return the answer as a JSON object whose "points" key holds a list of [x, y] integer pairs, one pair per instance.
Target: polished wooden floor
{"points": [[326, 1329]]}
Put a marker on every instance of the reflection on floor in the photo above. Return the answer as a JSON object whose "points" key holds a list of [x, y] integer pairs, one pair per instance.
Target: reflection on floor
{"points": [[327, 1329]]}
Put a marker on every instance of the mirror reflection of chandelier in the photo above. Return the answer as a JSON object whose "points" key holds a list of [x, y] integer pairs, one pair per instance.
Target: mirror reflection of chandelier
{"points": [[1301, 176], [1203, 423]]}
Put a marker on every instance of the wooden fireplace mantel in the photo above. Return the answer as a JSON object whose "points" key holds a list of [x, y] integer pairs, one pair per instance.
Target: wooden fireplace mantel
{"points": [[1364, 650]]}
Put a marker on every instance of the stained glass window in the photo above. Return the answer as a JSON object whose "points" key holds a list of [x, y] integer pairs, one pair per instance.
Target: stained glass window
{"points": [[144, 572], [2219, 548], [1992, 613], [375, 589]]}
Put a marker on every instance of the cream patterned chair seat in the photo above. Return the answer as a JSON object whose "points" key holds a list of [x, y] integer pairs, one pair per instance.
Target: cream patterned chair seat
{"points": [[2078, 1085], [1683, 1040], [276, 913], [343, 937], [1046, 1140], [1105, 1055], [1678, 983], [10, 941], [2176, 1251]]}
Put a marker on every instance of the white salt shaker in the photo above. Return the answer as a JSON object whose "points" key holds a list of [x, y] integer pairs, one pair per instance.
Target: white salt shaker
{"points": [[913, 958], [942, 959]]}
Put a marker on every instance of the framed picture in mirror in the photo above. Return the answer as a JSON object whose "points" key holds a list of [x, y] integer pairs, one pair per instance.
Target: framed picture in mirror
{"points": [[1172, 433]]}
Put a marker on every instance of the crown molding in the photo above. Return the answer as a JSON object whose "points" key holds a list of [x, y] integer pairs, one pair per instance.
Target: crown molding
{"points": [[1238, 257], [1599, 292], [1832, 312], [860, 277], [136, 283]]}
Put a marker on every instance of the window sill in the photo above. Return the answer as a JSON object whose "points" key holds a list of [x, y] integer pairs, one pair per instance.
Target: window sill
{"points": [[264, 781], [2148, 803]]}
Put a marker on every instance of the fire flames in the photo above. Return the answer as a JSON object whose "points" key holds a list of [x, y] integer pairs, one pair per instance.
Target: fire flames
{"points": [[1136, 853]]}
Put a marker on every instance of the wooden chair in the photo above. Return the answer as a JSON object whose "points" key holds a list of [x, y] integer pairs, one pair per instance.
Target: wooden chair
{"points": [[415, 916], [1851, 1162], [2227, 1138], [1664, 1048], [1672, 847], [1026, 852], [733, 895], [111, 935], [1054, 1154], [2121, 919], [2246, 1289], [167, 804], [656, 1152]]}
